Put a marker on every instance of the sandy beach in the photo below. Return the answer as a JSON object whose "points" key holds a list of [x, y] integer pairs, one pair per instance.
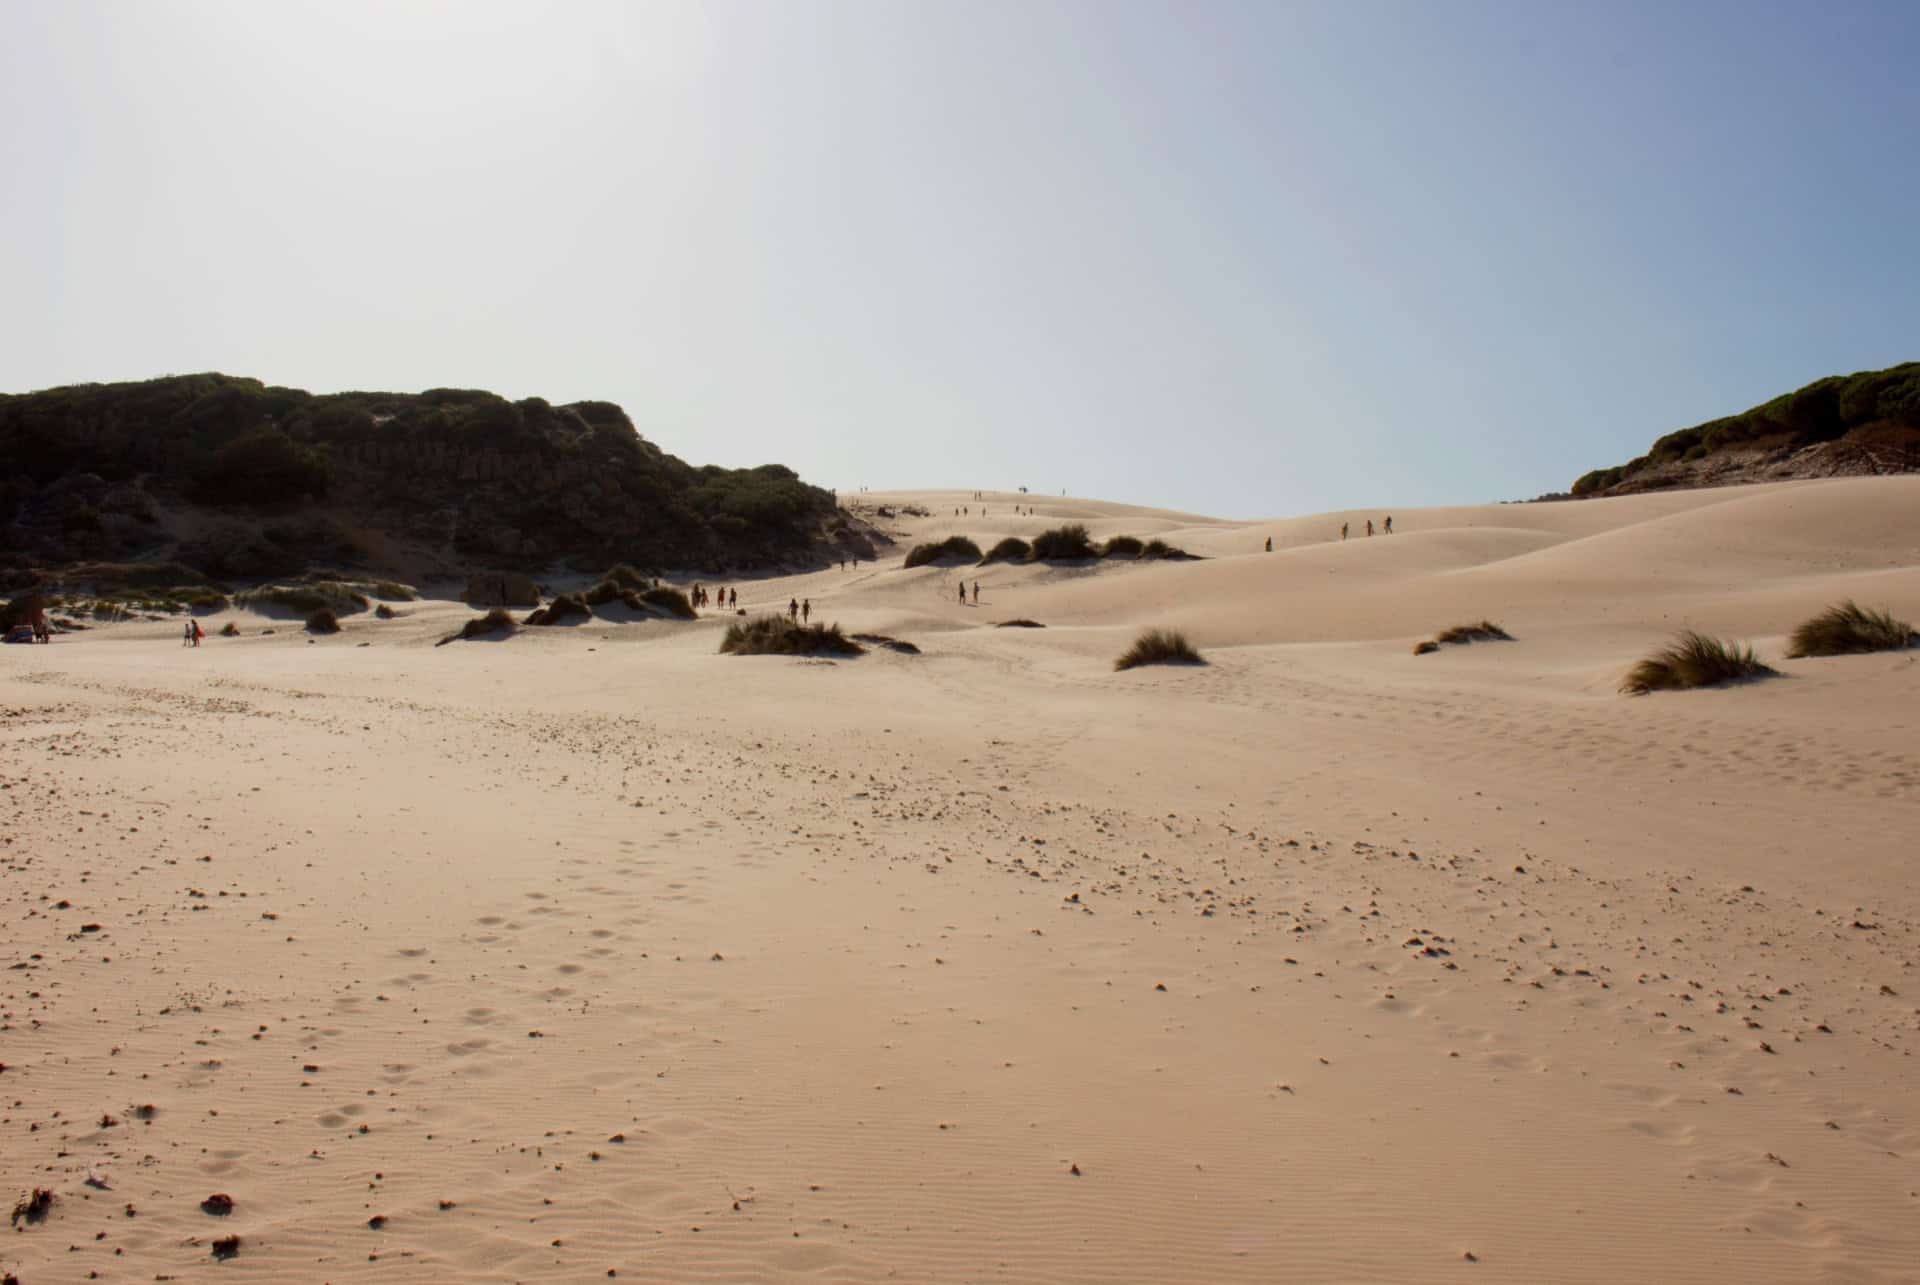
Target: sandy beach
{"points": [[590, 950]]}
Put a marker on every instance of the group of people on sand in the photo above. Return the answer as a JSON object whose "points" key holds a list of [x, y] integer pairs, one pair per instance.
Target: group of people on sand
{"points": [[727, 598], [1386, 527], [963, 593], [192, 635], [798, 610]]}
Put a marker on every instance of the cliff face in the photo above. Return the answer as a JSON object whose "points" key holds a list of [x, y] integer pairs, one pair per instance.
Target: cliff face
{"points": [[238, 478], [1840, 426]]}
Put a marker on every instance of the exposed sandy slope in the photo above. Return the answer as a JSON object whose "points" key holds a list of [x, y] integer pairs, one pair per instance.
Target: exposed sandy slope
{"points": [[701, 968]]}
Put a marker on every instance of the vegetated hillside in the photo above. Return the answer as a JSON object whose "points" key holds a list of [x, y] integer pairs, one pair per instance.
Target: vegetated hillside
{"points": [[237, 478], [1842, 425]]}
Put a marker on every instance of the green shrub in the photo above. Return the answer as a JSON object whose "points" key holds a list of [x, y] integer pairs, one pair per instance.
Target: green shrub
{"points": [[669, 600], [1122, 546], [1847, 629], [1063, 543], [779, 636], [1485, 631], [954, 546], [1693, 660], [332, 595], [1011, 549], [1159, 647], [323, 621]]}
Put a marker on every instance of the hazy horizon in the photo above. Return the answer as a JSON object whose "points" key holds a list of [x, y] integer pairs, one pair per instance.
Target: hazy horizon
{"points": [[1242, 260]]}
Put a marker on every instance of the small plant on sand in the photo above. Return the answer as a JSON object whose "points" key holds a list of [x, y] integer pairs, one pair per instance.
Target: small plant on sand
{"points": [[385, 612], [1159, 647], [1424, 646], [1693, 660], [1063, 544], [323, 621], [1011, 549], [954, 546], [392, 591], [779, 636], [499, 620], [1123, 546], [900, 645], [1161, 549], [1022, 623], [1847, 629], [1485, 631], [670, 600], [230, 630], [565, 607]]}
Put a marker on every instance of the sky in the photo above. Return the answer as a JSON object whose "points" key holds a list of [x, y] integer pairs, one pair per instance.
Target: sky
{"points": [[1241, 259]]}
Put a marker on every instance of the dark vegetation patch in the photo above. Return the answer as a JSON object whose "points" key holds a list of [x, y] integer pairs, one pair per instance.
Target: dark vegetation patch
{"points": [[497, 621], [230, 630], [32, 1207], [564, 607], [1485, 631], [1063, 544], [385, 612], [1424, 646], [1159, 647], [1693, 660], [670, 600], [1011, 549], [1847, 629], [779, 636], [1022, 623], [1122, 546], [336, 596], [954, 546], [1160, 549], [900, 645], [1877, 407], [323, 621]]}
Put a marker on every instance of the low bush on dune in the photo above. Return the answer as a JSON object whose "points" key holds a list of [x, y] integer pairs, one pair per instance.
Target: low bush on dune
{"points": [[385, 612], [1424, 646], [323, 621], [230, 630], [670, 600], [1159, 647], [779, 636], [1693, 660], [1019, 624], [392, 591], [206, 600], [1485, 631], [336, 596], [1847, 629], [565, 607], [1122, 546], [629, 577], [1161, 549], [499, 620], [954, 546], [1011, 549], [1063, 543]]}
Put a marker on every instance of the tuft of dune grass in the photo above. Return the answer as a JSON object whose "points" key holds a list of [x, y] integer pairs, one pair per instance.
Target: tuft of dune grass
{"points": [[1424, 646], [323, 621], [1485, 631], [1159, 647], [1847, 629], [1011, 549], [1022, 623], [498, 620], [779, 636], [1123, 546], [1063, 544], [1693, 660], [670, 600], [954, 546], [1161, 549], [562, 608]]}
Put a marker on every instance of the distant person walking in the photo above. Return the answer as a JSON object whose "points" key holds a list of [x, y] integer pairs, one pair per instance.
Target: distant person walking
{"points": [[186, 634], [806, 611], [1343, 530], [734, 594], [1369, 526], [963, 593], [1269, 544], [197, 632], [976, 593], [793, 609], [1389, 524]]}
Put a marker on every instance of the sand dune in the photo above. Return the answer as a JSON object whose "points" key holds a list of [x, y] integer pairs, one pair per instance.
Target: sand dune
{"points": [[592, 951]]}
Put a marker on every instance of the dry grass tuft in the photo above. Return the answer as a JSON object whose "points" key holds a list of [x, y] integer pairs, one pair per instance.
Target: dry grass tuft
{"points": [[1063, 544], [563, 608], [323, 621], [670, 600], [1159, 647], [1022, 623], [1011, 549], [1485, 631], [1123, 546], [1693, 660], [1847, 629], [230, 630], [954, 546], [900, 645], [499, 620], [779, 636], [1424, 646]]}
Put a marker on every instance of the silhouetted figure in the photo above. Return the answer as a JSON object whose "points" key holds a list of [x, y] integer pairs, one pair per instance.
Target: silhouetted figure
{"points": [[1343, 530], [1389, 524], [1369, 526], [806, 611], [793, 609], [735, 593], [963, 593], [976, 593], [1269, 544]]}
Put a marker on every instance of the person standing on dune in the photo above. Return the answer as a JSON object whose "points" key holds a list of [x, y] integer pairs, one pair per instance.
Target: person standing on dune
{"points": [[806, 611], [963, 593], [1269, 544], [976, 593], [1369, 528], [1389, 524], [793, 609], [1343, 530]]}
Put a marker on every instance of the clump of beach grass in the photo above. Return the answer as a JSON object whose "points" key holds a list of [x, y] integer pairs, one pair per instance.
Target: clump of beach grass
{"points": [[779, 636], [1011, 549], [1063, 544], [954, 546], [1122, 546], [1485, 631], [323, 621], [1159, 647], [498, 620], [1022, 623], [1161, 549], [670, 600], [1693, 660], [1848, 629], [564, 607]]}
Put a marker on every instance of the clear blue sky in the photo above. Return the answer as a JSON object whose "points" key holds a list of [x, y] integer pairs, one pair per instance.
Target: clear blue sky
{"points": [[1243, 259]]}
